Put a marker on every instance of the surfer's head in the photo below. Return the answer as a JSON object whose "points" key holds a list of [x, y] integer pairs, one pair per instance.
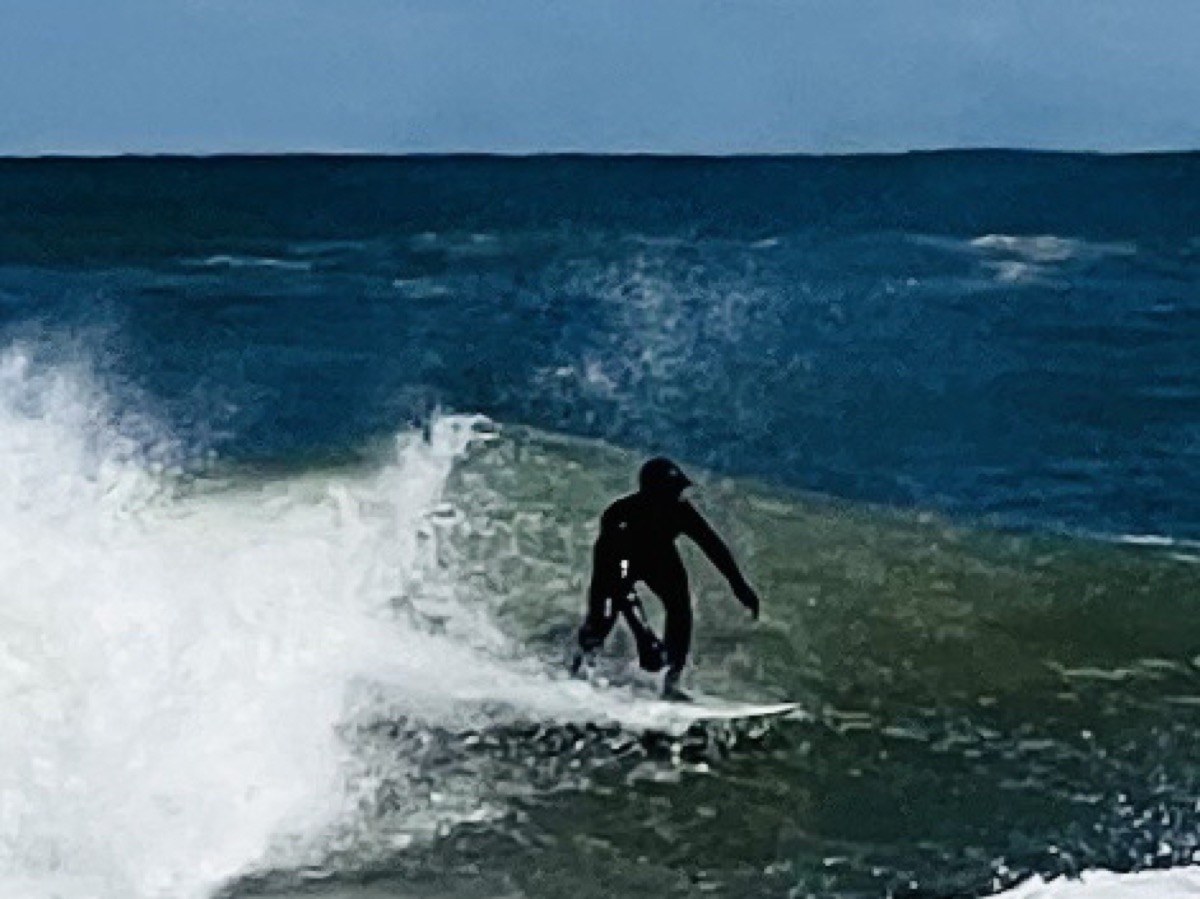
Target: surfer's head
{"points": [[662, 478]]}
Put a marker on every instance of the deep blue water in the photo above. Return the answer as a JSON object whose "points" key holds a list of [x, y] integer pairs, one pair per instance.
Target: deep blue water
{"points": [[1004, 336]]}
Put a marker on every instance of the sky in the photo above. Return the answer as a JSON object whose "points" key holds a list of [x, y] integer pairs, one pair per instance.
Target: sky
{"points": [[663, 76]]}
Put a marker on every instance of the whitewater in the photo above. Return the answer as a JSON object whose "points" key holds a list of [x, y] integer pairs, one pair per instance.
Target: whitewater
{"points": [[185, 665]]}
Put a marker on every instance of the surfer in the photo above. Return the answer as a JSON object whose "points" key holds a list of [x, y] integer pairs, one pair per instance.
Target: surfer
{"points": [[637, 544]]}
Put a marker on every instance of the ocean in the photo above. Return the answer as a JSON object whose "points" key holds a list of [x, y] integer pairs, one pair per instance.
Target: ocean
{"points": [[301, 460]]}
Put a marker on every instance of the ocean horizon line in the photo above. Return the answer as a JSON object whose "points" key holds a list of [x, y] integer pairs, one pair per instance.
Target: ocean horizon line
{"points": [[426, 155]]}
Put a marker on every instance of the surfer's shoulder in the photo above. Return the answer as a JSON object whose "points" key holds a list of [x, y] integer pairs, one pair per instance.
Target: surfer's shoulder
{"points": [[619, 510]]}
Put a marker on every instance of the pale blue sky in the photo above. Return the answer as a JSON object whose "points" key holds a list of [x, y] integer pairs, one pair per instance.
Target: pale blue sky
{"points": [[691, 76]]}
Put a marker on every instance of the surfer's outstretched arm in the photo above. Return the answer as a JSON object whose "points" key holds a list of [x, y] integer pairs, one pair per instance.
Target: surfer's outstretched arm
{"points": [[696, 527]]}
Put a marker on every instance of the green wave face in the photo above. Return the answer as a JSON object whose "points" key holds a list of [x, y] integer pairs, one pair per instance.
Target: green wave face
{"points": [[1003, 703]]}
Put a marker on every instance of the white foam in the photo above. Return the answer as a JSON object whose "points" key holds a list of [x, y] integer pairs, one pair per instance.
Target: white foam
{"points": [[1178, 882], [173, 669], [1033, 248], [1028, 258], [1156, 540], [226, 260], [1012, 271], [178, 668]]}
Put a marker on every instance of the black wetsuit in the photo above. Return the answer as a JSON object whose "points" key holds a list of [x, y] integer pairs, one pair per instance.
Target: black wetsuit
{"points": [[637, 543]]}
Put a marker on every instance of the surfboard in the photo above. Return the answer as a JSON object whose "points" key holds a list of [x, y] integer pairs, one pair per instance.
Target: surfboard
{"points": [[635, 700], [676, 715], [735, 711]]}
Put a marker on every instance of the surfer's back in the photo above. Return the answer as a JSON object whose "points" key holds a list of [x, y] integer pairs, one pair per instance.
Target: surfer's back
{"points": [[639, 526]]}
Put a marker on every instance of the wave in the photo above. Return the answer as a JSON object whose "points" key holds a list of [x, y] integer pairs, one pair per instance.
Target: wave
{"points": [[1045, 248], [229, 261], [1027, 259], [1111, 885], [1180, 550], [1044, 679], [191, 669], [175, 664], [322, 672]]}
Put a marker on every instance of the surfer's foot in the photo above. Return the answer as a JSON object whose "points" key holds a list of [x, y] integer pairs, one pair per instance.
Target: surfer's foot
{"points": [[581, 662], [671, 690]]}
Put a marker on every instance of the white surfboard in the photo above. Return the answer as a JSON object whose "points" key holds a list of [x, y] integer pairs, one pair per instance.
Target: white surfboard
{"points": [[658, 713], [706, 710]]}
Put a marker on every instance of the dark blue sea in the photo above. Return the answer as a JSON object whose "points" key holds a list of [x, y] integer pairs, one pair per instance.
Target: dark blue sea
{"points": [[301, 460]]}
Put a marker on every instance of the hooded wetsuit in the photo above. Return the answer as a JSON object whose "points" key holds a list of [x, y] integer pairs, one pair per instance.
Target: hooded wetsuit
{"points": [[637, 543]]}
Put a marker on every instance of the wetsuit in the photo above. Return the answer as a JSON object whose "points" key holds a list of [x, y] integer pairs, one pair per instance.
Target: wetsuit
{"points": [[637, 543]]}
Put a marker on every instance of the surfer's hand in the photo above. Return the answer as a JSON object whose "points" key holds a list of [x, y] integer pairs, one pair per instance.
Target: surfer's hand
{"points": [[747, 597]]}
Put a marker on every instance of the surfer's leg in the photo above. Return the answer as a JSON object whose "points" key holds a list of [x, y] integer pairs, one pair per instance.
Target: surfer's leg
{"points": [[670, 584], [602, 612], [652, 655], [678, 635]]}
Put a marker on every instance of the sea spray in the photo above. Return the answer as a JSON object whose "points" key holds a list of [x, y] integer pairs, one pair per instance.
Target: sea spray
{"points": [[174, 666]]}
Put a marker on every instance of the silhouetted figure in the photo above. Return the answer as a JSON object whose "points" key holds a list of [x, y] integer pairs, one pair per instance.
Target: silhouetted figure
{"points": [[637, 543]]}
